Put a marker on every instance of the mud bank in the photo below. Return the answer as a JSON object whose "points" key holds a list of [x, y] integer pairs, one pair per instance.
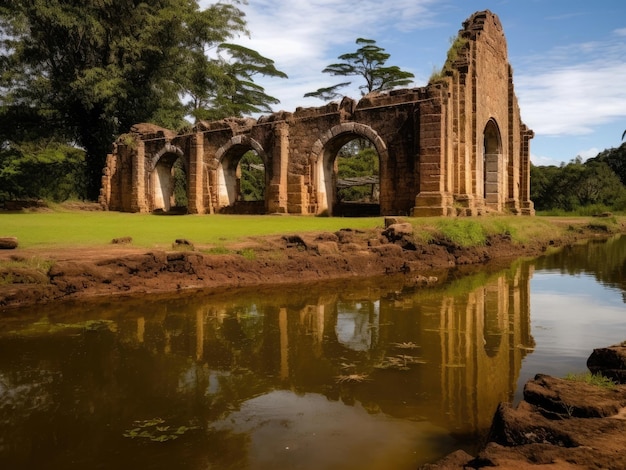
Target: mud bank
{"points": [[77, 273]]}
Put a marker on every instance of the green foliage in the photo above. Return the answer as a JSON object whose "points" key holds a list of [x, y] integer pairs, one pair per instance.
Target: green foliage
{"points": [[457, 44], [86, 71], [364, 162], [180, 184], [44, 170], [368, 62], [225, 87], [577, 185], [592, 379], [156, 430], [463, 232], [615, 158], [248, 254], [252, 183]]}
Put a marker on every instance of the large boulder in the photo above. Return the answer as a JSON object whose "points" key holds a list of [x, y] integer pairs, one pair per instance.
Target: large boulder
{"points": [[609, 362]]}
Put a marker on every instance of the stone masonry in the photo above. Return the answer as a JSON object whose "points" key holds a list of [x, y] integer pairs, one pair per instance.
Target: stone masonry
{"points": [[454, 147]]}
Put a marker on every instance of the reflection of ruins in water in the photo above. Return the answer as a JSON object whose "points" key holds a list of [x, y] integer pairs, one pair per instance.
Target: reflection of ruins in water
{"points": [[447, 356]]}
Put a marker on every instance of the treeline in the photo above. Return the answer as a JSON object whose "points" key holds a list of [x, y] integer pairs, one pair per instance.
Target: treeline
{"points": [[596, 185]]}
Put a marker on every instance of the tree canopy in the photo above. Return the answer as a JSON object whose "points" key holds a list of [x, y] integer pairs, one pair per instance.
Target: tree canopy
{"points": [[84, 71], [368, 62], [571, 187]]}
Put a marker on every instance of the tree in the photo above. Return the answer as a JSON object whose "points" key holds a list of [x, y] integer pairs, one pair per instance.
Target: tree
{"points": [[225, 86], [87, 70], [615, 158], [47, 170], [368, 62], [577, 185]]}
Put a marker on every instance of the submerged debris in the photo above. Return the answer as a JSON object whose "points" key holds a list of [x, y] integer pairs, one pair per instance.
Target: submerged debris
{"points": [[352, 378]]}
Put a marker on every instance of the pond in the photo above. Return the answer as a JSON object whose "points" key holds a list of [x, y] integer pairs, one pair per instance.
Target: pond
{"points": [[367, 375]]}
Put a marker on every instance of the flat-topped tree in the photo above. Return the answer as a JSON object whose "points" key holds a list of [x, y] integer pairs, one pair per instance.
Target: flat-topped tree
{"points": [[368, 62]]}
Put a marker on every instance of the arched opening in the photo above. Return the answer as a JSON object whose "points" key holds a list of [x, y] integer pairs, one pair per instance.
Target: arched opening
{"points": [[358, 180], [251, 173], [347, 171], [169, 183], [492, 166], [242, 181]]}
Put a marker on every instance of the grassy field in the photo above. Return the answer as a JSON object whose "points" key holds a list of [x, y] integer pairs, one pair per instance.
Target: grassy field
{"points": [[84, 228], [46, 229]]}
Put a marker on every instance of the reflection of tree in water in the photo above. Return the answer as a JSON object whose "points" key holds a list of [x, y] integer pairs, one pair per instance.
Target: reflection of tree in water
{"points": [[605, 260]]}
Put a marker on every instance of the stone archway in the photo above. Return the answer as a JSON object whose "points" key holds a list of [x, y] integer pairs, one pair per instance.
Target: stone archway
{"points": [[161, 176], [493, 167], [228, 174], [324, 153]]}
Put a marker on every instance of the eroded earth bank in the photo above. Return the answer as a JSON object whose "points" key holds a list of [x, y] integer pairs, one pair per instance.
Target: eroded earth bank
{"points": [[121, 269]]}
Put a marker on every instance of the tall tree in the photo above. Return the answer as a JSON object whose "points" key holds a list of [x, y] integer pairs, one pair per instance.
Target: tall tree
{"points": [[615, 158], [86, 70], [224, 86], [368, 62]]}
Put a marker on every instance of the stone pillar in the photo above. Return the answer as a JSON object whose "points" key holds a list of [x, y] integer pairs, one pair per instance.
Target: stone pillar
{"points": [[195, 203], [432, 199], [528, 208], [138, 201], [276, 194], [105, 189]]}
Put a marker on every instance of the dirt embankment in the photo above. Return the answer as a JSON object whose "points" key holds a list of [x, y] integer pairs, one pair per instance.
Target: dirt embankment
{"points": [[126, 270]]}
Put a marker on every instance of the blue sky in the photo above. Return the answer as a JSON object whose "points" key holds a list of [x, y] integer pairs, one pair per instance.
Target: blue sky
{"points": [[568, 57]]}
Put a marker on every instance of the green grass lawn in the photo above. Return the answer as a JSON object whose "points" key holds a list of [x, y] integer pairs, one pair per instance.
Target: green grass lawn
{"points": [[85, 228], [78, 228]]}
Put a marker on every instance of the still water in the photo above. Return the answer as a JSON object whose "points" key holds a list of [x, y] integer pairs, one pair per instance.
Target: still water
{"points": [[368, 376]]}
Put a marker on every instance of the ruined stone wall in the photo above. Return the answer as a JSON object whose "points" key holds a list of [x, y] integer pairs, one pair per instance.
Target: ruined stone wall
{"points": [[455, 147]]}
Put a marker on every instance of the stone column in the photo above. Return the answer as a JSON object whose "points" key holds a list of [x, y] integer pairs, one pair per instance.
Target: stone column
{"points": [[138, 201], [276, 192], [528, 208], [195, 203], [432, 199]]}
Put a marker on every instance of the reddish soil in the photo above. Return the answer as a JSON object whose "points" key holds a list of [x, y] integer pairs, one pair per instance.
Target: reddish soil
{"points": [[119, 269]]}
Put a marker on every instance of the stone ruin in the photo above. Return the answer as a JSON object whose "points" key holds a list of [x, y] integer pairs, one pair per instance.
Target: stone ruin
{"points": [[454, 147]]}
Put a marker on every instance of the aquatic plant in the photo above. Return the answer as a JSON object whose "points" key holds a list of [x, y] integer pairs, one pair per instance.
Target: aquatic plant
{"points": [[156, 430]]}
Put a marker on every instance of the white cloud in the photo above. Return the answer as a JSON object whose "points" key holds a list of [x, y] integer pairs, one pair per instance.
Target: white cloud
{"points": [[304, 36], [575, 89], [540, 160]]}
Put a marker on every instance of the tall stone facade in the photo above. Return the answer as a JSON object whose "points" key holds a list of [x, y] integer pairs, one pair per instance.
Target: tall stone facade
{"points": [[455, 147]]}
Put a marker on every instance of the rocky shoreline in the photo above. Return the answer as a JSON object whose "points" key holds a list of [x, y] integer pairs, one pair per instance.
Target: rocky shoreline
{"points": [[560, 424]]}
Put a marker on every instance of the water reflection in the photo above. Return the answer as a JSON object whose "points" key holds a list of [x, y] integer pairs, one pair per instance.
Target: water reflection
{"points": [[369, 376]]}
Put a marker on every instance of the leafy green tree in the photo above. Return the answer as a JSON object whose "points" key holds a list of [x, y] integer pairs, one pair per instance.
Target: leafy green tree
{"points": [[87, 70], [43, 170], [368, 62], [577, 185], [252, 177], [364, 162], [225, 86], [615, 158]]}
